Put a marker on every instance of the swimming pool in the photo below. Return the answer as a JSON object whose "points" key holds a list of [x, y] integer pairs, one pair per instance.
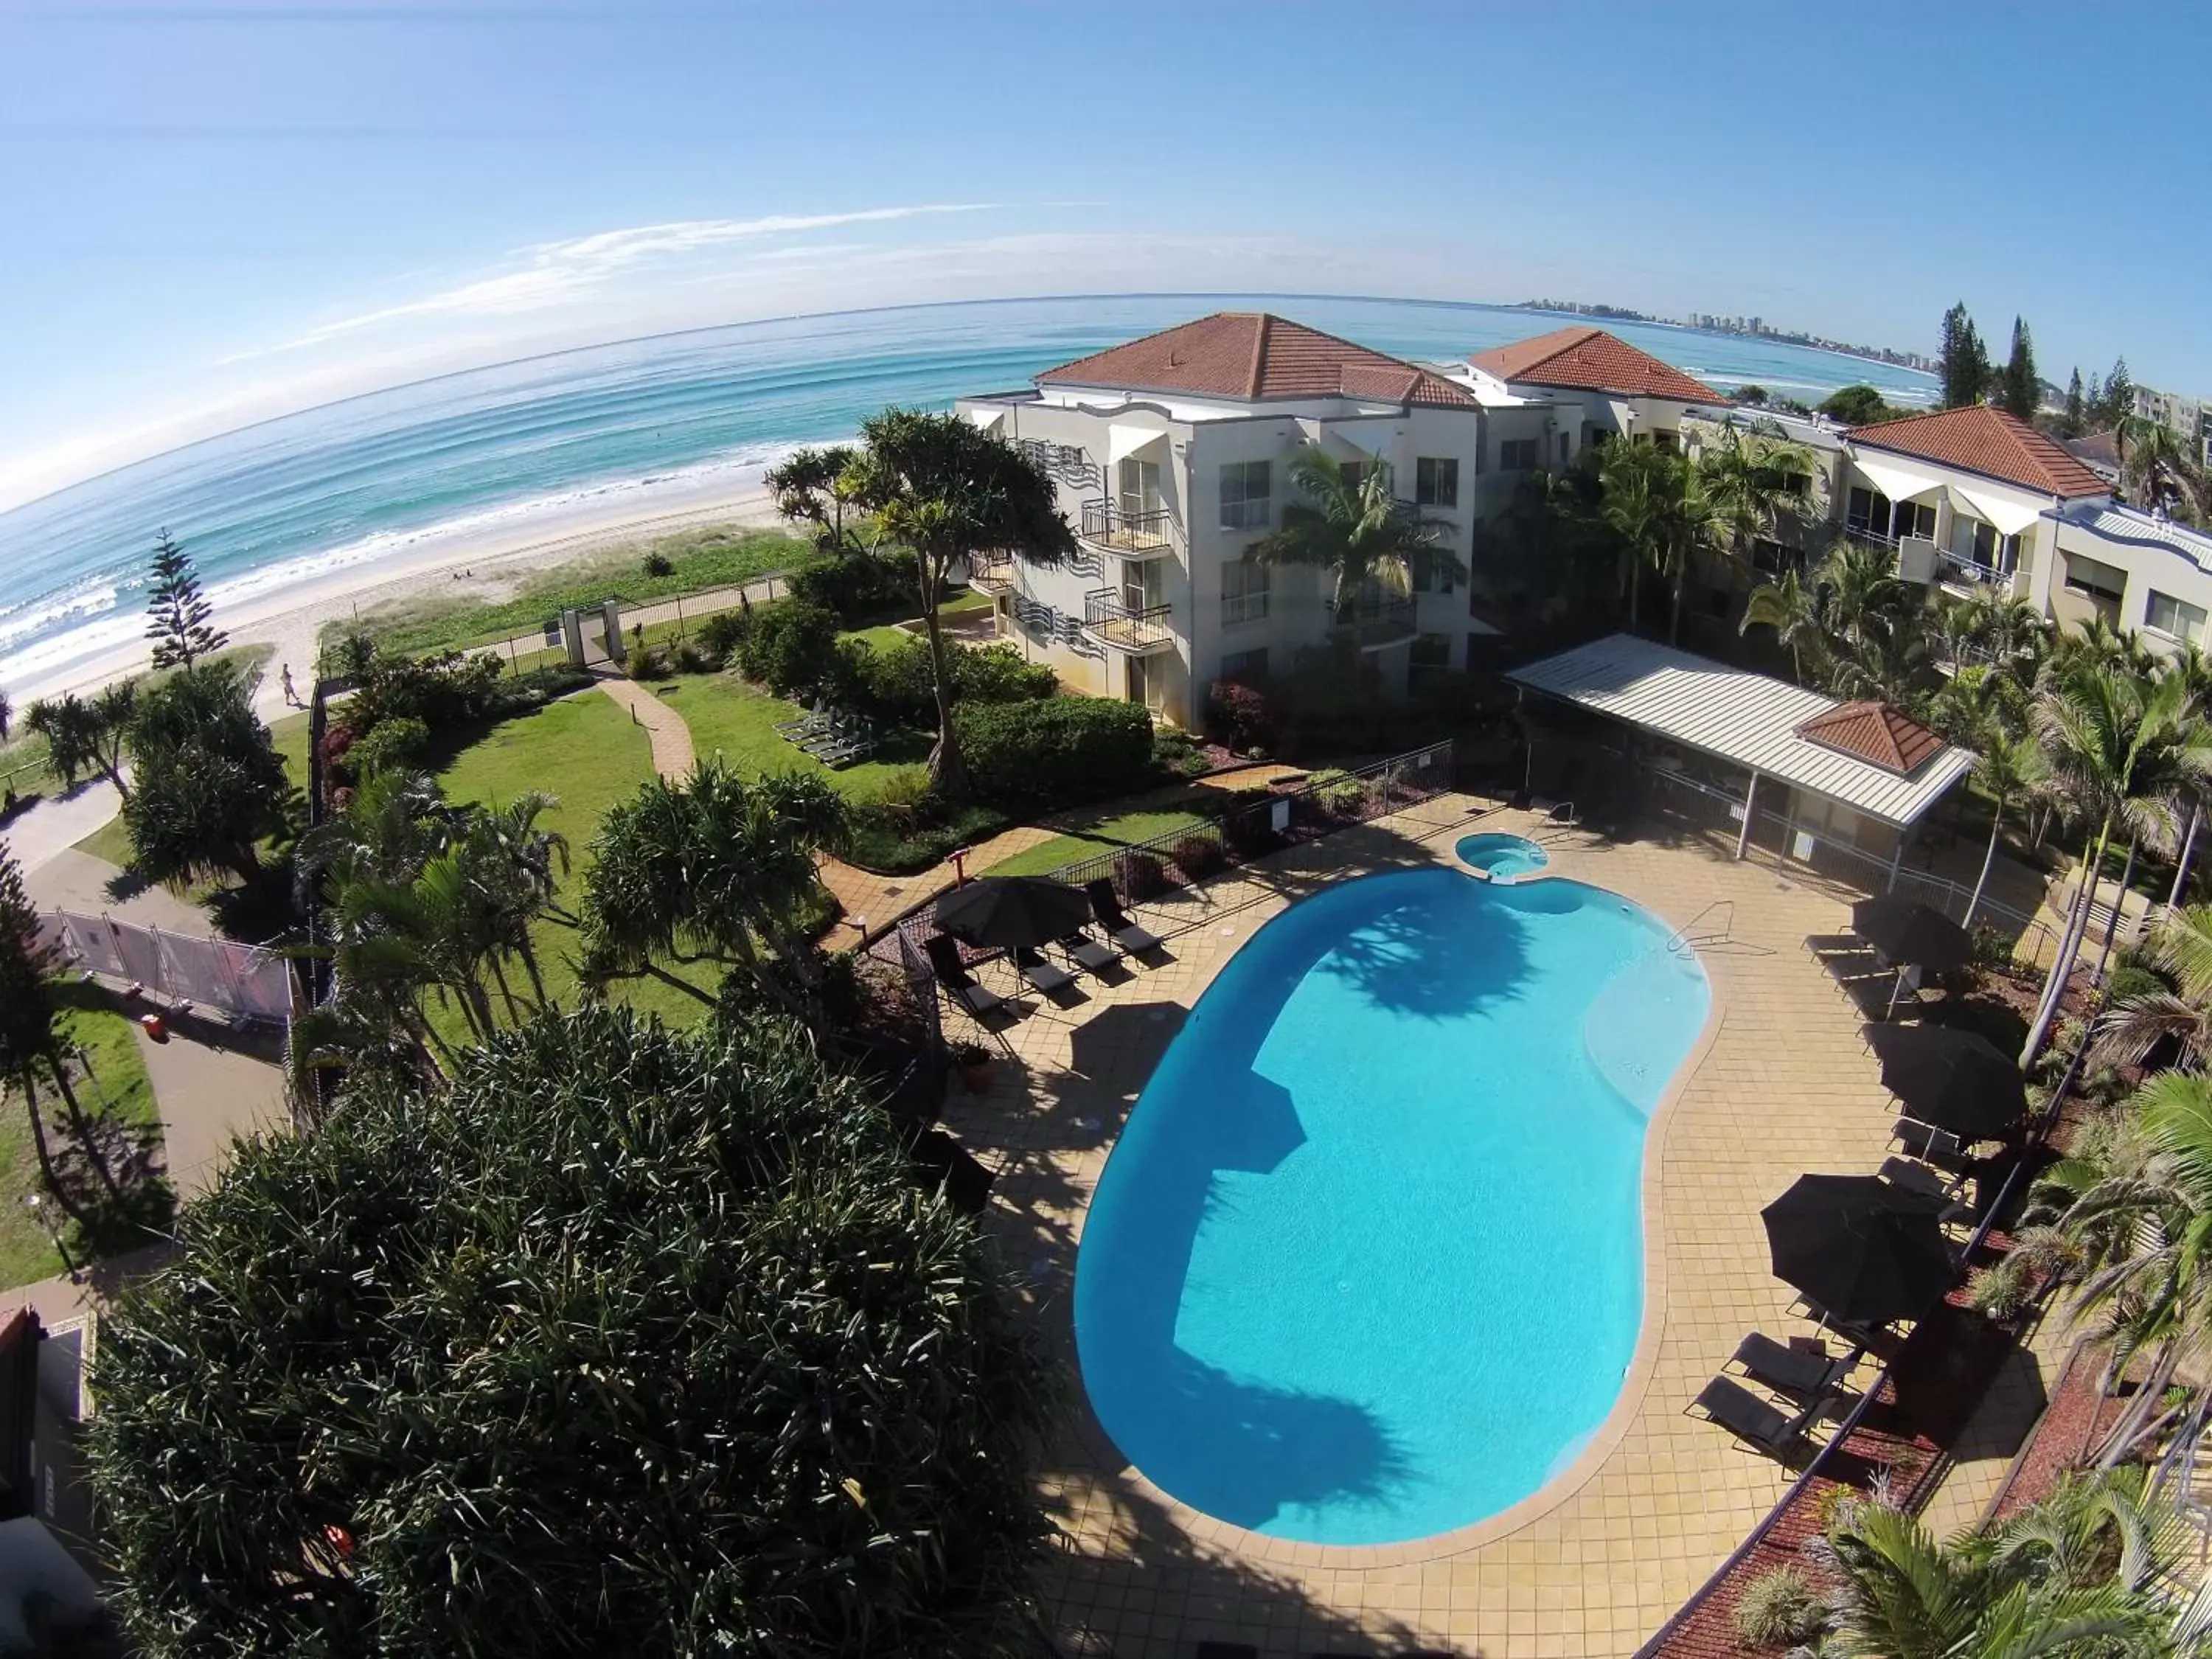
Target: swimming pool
{"points": [[1501, 856], [1366, 1263]]}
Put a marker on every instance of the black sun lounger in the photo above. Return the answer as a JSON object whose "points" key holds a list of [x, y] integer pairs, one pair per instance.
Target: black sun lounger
{"points": [[1751, 1420], [1116, 920], [945, 961], [1786, 1371], [1039, 974], [1086, 951]]}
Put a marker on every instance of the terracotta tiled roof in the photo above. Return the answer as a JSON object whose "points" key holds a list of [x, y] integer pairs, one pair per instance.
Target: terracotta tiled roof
{"points": [[1254, 356], [1875, 733], [1591, 360], [1988, 442]]}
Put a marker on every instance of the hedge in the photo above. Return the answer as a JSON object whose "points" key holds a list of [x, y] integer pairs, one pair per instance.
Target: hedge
{"points": [[1057, 752]]}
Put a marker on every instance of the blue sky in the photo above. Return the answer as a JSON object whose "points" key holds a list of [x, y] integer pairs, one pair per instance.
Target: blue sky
{"points": [[214, 213]]}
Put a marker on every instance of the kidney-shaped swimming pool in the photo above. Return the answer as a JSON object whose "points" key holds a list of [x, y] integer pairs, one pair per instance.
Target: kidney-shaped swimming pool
{"points": [[1366, 1264]]}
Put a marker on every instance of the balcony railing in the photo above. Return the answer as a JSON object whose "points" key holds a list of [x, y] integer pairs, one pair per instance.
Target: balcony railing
{"points": [[1374, 624], [1966, 568], [1107, 525], [991, 573], [1111, 620]]}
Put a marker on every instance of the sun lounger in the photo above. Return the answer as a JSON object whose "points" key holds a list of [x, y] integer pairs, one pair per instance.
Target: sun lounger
{"points": [[1926, 1143], [814, 719], [1805, 1376], [1040, 975], [1904, 1174], [951, 974], [1116, 920], [1086, 951], [1751, 1420]]}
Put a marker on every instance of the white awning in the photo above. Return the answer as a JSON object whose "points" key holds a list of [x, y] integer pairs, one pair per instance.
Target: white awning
{"points": [[1748, 720], [1124, 440], [1895, 482], [2010, 518], [987, 419]]}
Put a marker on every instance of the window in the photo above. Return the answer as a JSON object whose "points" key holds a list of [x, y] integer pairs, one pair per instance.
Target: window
{"points": [[2093, 579], [1665, 440], [1867, 510], [1243, 591], [1430, 577], [1245, 667], [1435, 481], [1563, 448], [1245, 487], [1517, 455], [1913, 518], [1797, 484], [2175, 619], [1429, 656]]}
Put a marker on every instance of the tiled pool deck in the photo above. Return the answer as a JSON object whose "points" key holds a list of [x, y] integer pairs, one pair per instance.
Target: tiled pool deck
{"points": [[1596, 1561]]}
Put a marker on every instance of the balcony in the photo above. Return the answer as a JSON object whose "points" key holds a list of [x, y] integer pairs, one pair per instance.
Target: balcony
{"points": [[1376, 624], [1131, 535], [1114, 623], [1964, 570], [991, 573]]}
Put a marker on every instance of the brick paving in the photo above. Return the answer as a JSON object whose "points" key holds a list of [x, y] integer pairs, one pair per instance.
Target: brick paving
{"points": [[1597, 1560]]}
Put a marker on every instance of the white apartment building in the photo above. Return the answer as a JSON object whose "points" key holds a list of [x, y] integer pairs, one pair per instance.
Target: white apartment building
{"points": [[1172, 455]]}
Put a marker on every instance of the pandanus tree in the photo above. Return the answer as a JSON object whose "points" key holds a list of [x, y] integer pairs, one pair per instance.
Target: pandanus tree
{"points": [[210, 787], [624, 1341], [1353, 527], [2120, 750], [34, 1054], [945, 488], [819, 487], [719, 869]]}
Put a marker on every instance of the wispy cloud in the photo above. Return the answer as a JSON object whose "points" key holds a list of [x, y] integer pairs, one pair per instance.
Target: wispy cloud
{"points": [[554, 273]]}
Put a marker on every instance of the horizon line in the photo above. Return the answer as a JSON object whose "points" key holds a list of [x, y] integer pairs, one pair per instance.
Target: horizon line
{"points": [[864, 310]]}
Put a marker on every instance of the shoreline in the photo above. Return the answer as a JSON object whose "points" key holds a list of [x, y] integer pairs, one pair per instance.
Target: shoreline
{"points": [[290, 618]]}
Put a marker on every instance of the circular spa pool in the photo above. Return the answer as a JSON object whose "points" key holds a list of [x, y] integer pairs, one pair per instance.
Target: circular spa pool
{"points": [[1501, 856], [1367, 1263]]}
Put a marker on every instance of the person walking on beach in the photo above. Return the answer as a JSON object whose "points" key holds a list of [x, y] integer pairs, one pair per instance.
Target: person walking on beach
{"points": [[291, 696]]}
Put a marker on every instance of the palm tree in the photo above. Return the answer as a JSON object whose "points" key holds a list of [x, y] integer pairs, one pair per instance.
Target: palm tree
{"points": [[1793, 611], [2005, 767], [511, 862], [946, 490], [2120, 750], [2156, 464], [2004, 1596], [1634, 507], [1357, 530], [1752, 480], [715, 868], [2132, 1026]]}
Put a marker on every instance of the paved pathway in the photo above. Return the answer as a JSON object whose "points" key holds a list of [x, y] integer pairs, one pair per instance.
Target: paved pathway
{"points": [[58, 821], [71, 880], [210, 1096], [870, 899], [672, 754]]}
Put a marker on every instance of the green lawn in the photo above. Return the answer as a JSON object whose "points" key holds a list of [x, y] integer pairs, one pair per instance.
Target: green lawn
{"points": [[730, 717], [891, 632], [585, 751], [719, 557], [1127, 830], [120, 1086]]}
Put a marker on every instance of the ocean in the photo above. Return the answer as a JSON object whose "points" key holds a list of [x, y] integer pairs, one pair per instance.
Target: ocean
{"points": [[359, 481]]}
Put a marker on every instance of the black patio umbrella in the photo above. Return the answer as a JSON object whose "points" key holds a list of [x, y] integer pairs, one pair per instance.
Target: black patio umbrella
{"points": [[1867, 1252], [1013, 911], [1956, 1080], [1906, 931]]}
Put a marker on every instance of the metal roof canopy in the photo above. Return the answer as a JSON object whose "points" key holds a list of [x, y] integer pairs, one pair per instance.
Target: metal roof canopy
{"points": [[1733, 714]]}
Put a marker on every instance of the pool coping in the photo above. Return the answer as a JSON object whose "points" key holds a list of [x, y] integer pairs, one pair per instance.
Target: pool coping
{"points": [[1627, 1405]]}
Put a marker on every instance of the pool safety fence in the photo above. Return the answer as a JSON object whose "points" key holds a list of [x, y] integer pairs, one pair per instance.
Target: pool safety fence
{"points": [[1828, 1460], [245, 982], [1193, 857]]}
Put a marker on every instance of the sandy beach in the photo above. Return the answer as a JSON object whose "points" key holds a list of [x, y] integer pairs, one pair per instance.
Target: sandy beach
{"points": [[479, 563]]}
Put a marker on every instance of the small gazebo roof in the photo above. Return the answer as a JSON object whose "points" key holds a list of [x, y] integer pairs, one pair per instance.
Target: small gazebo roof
{"points": [[1874, 733]]}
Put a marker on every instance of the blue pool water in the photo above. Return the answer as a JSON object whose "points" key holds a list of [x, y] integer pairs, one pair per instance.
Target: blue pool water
{"points": [[1366, 1264], [1498, 854]]}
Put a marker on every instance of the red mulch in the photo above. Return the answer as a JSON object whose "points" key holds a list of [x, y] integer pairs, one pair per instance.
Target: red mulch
{"points": [[2072, 1425]]}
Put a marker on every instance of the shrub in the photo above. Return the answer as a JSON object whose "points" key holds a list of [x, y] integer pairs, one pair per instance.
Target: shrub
{"points": [[650, 663], [723, 635], [439, 690], [903, 792], [1247, 822], [1178, 753], [1778, 1609], [1240, 715], [893, 843], [689, 657], [894, 682], [2002, 1289], [1198, 856], [1139, 875], [861, 586], [2132, 979], [1338, 792], [1056, 752], [393, 745], [659, 564], [793, 650]]}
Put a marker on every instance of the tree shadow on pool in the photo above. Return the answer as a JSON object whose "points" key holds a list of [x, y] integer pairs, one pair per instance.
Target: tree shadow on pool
{"points": [[1435, 957]]}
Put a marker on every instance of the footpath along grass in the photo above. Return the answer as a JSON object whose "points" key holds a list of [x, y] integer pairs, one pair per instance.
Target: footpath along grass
{"points": [[1129, 830], [721, 556]]}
